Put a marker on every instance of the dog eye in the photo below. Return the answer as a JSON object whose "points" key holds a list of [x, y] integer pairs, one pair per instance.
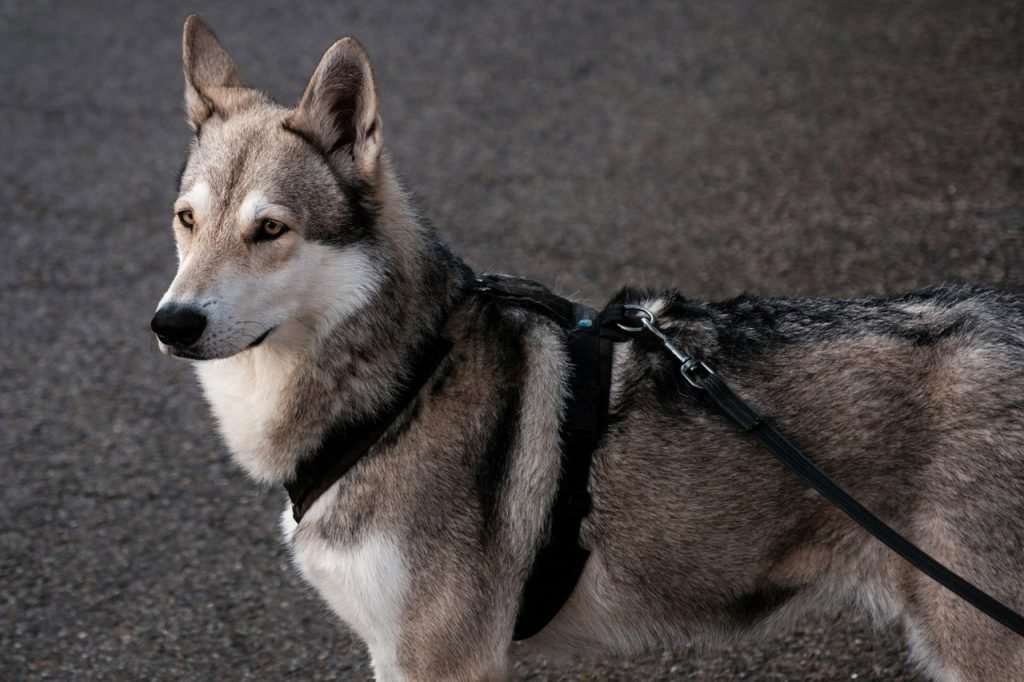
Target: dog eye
{"points": [[271, 229], [186, 219]]}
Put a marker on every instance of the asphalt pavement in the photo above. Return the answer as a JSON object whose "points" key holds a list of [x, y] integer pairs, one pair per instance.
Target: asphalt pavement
{"points": [[793, 148]]}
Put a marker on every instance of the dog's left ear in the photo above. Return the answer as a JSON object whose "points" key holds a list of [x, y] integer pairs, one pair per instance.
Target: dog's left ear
{"points": [[339, 107]]}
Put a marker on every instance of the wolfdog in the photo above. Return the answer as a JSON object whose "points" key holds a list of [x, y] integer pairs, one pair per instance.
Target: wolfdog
{"points": [[307, 286]]}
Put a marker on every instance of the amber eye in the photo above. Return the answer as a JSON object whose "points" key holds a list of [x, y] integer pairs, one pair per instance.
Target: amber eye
{"points": [[186, 219], [271, 229]]}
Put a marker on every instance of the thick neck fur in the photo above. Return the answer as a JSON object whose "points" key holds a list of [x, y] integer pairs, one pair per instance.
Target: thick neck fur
{"points": [[274, 402]]}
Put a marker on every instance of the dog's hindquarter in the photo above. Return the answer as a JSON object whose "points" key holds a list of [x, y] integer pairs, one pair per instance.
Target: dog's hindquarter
{"points": [[909, 403]]}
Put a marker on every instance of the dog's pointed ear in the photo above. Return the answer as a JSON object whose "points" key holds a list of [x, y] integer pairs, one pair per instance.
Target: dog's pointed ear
{"points": [[213, 84], [338, 110]]}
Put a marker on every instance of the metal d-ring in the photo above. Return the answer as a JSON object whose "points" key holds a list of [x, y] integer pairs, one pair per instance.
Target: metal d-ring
{"points": [[689, 367], [645, 316]]}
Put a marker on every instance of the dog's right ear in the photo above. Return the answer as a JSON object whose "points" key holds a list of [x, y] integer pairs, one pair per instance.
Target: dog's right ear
{"points": [[213, 84]]}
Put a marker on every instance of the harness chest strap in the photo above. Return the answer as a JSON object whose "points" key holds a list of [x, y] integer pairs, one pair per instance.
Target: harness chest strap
{"points": [[345, 444]]}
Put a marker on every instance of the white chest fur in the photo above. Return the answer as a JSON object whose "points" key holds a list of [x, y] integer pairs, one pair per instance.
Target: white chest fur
{"points": [[364, 583], [245, 393]]}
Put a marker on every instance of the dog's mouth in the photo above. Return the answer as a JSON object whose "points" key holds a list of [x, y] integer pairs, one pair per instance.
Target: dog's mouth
{"points": [[189, 354], [261, 338], [185, 353]]}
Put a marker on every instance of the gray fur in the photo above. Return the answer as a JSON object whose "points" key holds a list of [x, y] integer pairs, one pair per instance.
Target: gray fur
{"points": [[912, 403]]}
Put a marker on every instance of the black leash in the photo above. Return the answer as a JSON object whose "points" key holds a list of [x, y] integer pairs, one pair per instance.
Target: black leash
{"points": [[636, 319]]}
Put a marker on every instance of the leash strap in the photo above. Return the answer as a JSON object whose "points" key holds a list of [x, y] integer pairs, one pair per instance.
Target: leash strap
{"points": [[634, 319]]}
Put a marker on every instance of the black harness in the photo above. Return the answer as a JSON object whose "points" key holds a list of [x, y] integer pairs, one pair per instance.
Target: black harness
{"points": [[589, 339], [559, 563]]}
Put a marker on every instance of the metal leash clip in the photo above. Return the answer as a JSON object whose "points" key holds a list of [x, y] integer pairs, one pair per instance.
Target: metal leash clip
{"points": [[694, 371]]}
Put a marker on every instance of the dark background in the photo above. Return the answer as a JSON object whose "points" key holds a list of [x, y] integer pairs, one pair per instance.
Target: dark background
{"points": [[798, 148]]}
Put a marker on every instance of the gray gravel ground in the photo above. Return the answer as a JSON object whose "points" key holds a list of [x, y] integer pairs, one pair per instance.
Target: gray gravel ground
{"points": [[802, 148]]}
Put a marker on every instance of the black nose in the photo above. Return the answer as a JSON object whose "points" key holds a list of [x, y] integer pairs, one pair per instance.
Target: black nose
{"points": [[178, 325]]}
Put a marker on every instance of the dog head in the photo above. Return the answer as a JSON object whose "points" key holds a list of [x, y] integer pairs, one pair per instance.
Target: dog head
{"points": [[275, 219]]}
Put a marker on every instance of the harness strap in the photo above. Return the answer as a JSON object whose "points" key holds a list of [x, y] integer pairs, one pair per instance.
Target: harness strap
{"points": [[560, 562], [345, 444]]}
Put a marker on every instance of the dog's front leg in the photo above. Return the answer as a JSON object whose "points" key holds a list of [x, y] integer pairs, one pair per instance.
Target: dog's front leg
{"points": [[391, 672], [495, 672], [442, 650], [420, 623]]}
